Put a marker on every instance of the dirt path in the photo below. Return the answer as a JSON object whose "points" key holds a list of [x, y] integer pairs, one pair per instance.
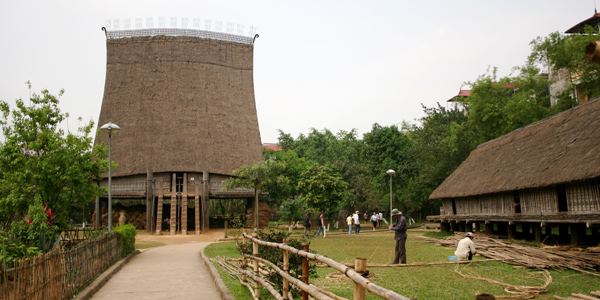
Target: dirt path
{"points": [[173, 270]]}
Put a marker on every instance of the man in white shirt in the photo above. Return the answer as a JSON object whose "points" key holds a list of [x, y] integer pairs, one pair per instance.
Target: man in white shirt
{"points": [[465, 248], [356, 222]]}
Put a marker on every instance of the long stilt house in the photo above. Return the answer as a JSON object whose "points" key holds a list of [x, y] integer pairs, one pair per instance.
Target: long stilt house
{"points": [[184, 100], [537, 178]]}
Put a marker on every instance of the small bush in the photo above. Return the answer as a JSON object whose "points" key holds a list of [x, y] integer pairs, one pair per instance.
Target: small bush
{"points": [[126, 236]]}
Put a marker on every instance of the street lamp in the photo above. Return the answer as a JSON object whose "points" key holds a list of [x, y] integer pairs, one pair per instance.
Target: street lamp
{"points": [[391, 173], [110, 128]]}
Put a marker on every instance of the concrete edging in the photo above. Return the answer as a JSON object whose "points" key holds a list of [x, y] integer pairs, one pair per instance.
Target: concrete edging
{"points": [[219, 284], [95, 285]]}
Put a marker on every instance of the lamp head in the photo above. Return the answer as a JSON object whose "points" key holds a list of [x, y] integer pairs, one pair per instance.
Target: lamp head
{"points": [[110, 128], [390, 172]]}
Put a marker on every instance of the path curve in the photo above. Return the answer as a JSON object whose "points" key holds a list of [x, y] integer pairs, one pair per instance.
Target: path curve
{"points": [[174, 271]]}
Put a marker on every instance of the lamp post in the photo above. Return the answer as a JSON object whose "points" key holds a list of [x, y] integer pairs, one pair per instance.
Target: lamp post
{"points": [[110, 128], [391, 173]]}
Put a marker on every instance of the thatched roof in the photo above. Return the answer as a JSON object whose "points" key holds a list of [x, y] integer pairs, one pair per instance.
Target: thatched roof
{"points": [[184, 104], [559, 149]]}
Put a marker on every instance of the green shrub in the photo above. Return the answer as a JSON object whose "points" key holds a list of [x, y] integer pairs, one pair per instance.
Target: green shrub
{"points": [[126, 236]]}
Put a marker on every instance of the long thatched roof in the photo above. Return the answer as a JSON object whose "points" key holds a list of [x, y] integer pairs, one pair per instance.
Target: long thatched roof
{"points": [[184, 104], [560, 149]]}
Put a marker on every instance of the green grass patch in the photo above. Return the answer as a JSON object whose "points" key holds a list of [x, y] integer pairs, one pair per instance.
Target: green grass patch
{"points": [[437, 234], [426, 282]]}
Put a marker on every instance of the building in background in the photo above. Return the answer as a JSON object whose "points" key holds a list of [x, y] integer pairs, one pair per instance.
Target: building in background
{"points": [[184, 99]]}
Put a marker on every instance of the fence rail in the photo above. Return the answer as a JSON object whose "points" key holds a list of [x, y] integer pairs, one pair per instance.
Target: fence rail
{"points": [[360, 283], [61, 273]]}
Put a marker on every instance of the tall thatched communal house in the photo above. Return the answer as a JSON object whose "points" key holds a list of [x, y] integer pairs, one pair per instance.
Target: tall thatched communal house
{"points": [[542, 176], [184, 100]]}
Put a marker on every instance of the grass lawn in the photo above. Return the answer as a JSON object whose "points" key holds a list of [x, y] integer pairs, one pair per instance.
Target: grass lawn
{"points": [[426, 282]]}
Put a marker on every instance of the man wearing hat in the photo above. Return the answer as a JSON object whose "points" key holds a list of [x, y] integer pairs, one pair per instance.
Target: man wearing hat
{"points": [[399, 236], [465, 248]]}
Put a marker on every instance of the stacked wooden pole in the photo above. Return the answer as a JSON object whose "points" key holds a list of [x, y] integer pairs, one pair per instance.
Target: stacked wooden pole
{"points": [[531, 257]]}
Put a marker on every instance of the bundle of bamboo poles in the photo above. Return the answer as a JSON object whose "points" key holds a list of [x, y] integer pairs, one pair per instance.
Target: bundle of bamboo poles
{"points": [[531, 257], [594, 296]]}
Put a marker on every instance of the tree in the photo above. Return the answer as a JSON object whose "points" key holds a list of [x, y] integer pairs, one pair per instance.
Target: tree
{"points": [[257, 177], [37, 159], [292, 169], [438, 146], [386, 148], [565, 53], [323, 188], [341, 152]]}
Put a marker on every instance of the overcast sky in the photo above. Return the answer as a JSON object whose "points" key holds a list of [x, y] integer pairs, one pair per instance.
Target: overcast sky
{"points": [[317, 64]]}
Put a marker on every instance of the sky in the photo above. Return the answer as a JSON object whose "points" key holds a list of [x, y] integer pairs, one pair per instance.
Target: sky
{"points": [[339, 65]]}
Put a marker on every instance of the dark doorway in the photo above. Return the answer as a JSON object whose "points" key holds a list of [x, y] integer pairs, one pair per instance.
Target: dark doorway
{"points": [[561, 193], [453, 206], [516, 202]]}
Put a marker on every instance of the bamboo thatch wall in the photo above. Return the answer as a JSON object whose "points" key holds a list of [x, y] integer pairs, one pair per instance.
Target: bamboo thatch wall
{"points": [[61, 273], [582, 197], [558, 150], [184, 104]]}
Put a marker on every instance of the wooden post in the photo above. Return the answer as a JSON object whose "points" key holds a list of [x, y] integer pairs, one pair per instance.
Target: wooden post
{"points": [[538, 233], [173, 219], [225, 229], [97, 221], [244, 260], [149, 198], [286, 269], [489, 228], [184, 206], [578, 233], [205, 200], [159, 210], [511, 231], [197, 208], [360, 266], [444, 226], [256, 272], [305, 271], [462, 227]]}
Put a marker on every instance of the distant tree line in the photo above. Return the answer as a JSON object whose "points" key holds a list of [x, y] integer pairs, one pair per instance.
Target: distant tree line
{"points": [[326, 172]]}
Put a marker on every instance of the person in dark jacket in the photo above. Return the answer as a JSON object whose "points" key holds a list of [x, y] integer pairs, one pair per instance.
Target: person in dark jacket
{"points": [[400, 237], [306, 224]]}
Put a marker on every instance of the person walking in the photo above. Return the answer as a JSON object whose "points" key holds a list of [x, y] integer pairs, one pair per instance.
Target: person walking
{"points": [[306, 224], [374, 219], [321, 225], [400, 236], [465, 248], [356, 222], [349, 222], [366, 218]]}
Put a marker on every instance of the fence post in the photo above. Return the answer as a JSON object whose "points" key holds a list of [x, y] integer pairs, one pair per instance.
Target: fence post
{"points": [[256, 272], [305, 271], [360, 266], [225, 229], [244, 260], [286, 269]]}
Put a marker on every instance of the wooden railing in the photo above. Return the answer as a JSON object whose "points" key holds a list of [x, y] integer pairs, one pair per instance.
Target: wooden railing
{"points": [[361, 284], [61, 273]]}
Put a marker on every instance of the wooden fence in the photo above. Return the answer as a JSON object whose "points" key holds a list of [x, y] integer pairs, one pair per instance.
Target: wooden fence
{"points": [[61, 273], [361, 284]]}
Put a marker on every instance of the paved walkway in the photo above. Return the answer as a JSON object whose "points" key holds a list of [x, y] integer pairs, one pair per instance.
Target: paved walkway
{"points": [[165, 272]]}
